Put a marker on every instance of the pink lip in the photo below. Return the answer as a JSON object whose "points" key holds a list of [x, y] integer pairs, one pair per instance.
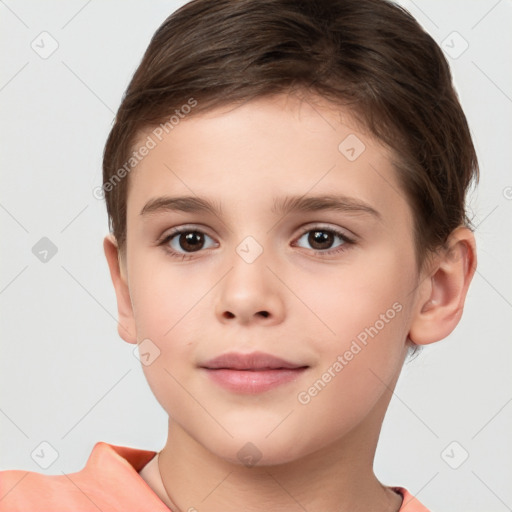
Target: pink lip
{"points": [[251, 373]]}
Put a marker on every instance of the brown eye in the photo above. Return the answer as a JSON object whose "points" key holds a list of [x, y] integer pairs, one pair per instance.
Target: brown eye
{"points": [[191, 241], [320, 239], [186, 241], [323, 239]]}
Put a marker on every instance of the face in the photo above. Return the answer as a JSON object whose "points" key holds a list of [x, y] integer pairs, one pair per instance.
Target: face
{"points": [[271, 272]]}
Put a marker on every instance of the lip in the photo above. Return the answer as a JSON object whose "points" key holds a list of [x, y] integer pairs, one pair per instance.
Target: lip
{"points": [[252, 373], [251, 362]]}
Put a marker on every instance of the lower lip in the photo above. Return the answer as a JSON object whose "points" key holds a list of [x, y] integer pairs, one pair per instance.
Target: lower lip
{"points": [[252, 382]]}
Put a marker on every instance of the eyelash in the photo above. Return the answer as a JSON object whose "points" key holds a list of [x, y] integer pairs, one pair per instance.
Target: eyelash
{"points": [[319, 253]]}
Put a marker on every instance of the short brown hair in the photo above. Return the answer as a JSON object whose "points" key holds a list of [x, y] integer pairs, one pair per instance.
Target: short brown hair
{"points": [[371, 56]]}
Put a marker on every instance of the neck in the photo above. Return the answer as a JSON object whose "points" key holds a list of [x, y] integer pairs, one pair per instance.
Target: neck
{"points": [[339, 477]]}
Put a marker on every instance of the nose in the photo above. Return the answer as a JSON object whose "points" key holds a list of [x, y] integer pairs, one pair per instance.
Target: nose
{"points": [[250, 294]]}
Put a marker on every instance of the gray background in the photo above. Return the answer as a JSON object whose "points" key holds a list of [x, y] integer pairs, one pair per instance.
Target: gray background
{"points": [[67, 379]]}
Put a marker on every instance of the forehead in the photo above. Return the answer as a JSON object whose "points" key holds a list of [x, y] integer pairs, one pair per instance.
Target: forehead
{"points": [[245, 156]]}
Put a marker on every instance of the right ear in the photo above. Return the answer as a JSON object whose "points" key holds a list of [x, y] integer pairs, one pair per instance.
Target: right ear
{"points": [[126, 321]]}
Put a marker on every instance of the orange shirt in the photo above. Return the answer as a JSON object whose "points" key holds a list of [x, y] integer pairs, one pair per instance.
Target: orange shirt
{"points": [[109, 482]]}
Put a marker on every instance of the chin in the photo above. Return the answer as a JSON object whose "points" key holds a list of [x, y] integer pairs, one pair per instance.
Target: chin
{"points": [[254, 449]]}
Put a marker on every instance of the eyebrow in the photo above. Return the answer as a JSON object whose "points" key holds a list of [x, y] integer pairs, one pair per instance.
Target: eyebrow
{"points": [[281, 205]]}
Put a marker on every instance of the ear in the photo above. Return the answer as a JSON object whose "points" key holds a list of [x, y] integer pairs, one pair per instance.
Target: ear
{"points": [[126, 321], [442, 291]]}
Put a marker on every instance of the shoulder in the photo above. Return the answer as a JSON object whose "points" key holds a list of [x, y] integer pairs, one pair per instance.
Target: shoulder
{"points": [[108, 482], [24, 490], [410, 503]]}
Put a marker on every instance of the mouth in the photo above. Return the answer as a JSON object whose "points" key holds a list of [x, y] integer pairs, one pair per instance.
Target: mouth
{"points": [[255, 361], [251, 373]]}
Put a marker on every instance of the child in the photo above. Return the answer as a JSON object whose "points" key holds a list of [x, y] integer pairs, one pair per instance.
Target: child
{"points": [[285, 183]]}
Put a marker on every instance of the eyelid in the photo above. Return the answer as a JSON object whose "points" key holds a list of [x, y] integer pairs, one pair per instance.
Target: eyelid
{"points": [[343, 232], [163, 242], [185, 228]]}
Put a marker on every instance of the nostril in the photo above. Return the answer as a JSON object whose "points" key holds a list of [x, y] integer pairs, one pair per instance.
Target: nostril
{"points": [[263, 313], [228, 314]]}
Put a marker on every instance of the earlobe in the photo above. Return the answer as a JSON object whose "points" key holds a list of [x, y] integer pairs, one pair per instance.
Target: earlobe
{"points": [[126, 321], [443, 291]]}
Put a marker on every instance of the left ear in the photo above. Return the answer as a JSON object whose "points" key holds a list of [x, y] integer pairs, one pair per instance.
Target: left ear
{"points": [[443, 290]]}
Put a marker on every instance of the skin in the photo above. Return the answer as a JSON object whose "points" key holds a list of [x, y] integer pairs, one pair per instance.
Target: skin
{"points": [[316, 455]]}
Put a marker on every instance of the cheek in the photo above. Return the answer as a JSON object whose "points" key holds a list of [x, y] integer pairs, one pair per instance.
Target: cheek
{"points": [[365, 317], [168, 318], [163, 296], [369, 293], [356, 368], [168, 306]]}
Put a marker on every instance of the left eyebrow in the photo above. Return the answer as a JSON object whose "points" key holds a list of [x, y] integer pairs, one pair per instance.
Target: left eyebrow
{"points": [[281, 205], [285, 205]]}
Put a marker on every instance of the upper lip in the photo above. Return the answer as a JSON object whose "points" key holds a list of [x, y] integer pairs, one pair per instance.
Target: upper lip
{"points": [[252, 361]]}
